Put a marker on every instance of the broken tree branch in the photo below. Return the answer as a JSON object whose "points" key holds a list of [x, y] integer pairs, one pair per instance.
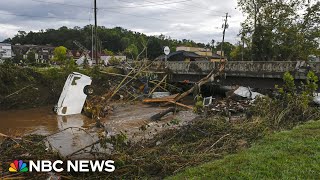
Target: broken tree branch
{"points": [[70, 155], [213, 74], [164, 78], [182, 105], [210, 148], [158, 116], [143, 67], [18, 91]]}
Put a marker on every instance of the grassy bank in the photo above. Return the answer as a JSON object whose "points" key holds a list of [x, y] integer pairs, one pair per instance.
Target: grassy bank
{"points": [[286, 155]]}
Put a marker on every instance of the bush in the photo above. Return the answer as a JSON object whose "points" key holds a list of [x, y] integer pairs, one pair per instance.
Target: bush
{"points": [[291, 107], [114, 61]]}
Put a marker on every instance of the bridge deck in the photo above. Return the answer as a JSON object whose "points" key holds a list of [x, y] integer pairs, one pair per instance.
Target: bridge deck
{"points": [[241, 68]]}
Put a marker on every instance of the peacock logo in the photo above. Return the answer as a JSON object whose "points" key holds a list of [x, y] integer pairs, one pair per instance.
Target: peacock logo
{"points": [[18, 166]]}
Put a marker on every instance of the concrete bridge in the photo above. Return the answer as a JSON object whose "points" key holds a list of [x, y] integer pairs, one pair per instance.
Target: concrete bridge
{"points": [[254, 74]]}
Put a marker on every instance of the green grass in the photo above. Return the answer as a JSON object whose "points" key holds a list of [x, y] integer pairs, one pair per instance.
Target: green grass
{"points": [[291, 154]]}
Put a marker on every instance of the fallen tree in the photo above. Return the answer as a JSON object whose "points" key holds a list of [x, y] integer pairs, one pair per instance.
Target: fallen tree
{"points": [[209, 78]]}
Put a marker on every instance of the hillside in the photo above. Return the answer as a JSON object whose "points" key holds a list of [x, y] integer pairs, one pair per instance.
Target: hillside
{"points": [[117, 40]]}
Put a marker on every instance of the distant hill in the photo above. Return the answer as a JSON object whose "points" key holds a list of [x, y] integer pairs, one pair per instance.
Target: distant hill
{"points": [[117, 40]]}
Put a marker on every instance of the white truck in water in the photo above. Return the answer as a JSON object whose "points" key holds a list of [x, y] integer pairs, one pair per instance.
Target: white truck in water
{"points": [[74, 94]]}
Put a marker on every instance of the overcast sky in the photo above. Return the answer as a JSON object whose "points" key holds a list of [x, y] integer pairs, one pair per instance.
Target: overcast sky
{"points": [[199, 20]]}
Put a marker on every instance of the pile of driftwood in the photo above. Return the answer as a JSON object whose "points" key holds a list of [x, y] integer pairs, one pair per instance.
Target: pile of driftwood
{"points": [[174, 99], [136, 85]]}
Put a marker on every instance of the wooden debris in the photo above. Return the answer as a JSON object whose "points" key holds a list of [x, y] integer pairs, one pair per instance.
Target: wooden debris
{"points": [[158, 116], [180, 104], [161, 100], [164, 78], [213, 74]]}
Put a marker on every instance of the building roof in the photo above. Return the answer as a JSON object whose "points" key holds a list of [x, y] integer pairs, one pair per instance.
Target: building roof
{"points": [[23, 49], [216, 56], [180, 56], [4, 44]]}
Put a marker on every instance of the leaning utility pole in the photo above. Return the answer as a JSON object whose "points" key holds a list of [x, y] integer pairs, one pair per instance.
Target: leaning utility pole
{"points": [[95, 33], [224, 32]]}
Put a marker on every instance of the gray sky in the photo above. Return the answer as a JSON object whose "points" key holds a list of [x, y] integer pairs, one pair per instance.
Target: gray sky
{"points": [[199, 20]]}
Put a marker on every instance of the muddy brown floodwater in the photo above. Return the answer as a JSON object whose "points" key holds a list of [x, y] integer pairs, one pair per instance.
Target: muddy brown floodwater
{"points": [[130, 119], [43, 121], [38, 121]]}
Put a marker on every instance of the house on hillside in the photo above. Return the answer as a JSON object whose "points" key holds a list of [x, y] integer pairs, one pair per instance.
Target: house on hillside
{"points": [[75, 54], [42, 54], [5, 51], [199, 51], [204, 52], [181, 56]]}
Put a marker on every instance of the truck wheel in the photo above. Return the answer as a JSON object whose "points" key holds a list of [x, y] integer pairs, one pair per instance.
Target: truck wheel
{"points": [[88, 90]]}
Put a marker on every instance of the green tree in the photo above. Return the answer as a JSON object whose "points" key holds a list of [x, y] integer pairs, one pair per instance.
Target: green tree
{"points": [[108, 52], [227, 48], [115, 39], [280, 30], [31, 57], [60, 54], [18, 58], [132, 51]]}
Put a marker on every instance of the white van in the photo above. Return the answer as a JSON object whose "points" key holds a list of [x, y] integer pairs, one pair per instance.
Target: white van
{"points": [[74, 94]]}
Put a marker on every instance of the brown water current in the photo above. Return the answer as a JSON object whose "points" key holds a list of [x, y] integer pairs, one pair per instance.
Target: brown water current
{"points": [[126, 118]]}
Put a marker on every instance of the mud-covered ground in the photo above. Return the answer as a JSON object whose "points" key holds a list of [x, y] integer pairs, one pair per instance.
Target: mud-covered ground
{"points": [[30, 87]]}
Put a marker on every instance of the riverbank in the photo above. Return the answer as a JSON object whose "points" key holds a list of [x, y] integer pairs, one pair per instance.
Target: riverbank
{"points": [[286, 155], [175, 142], [32, 87]]}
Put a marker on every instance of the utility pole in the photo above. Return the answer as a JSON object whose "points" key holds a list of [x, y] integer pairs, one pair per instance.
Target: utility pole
{"points": [[95, 33], [242, 47], [224, 32]]}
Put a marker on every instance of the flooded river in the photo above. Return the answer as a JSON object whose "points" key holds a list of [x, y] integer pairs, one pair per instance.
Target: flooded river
{"points": [[38, 121], [44, 121], [126, 118]]}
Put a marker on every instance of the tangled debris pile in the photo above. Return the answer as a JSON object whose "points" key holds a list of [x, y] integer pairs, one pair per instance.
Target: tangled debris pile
{"points": [[29, 147], [229, 107], [129, 87]]}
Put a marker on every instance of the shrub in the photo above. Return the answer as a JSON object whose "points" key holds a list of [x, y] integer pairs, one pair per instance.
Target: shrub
{"points": [[291, 107]]}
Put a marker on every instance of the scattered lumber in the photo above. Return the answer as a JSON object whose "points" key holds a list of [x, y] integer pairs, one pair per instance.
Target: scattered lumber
{"points": [[161, 100], [164, 78], [180, 104], [168, 99]]}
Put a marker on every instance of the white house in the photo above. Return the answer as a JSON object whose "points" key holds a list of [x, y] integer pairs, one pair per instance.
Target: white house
{"points": [[5, 51]]}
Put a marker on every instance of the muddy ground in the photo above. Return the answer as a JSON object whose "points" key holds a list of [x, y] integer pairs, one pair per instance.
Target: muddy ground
{"points": [[30, 87]]}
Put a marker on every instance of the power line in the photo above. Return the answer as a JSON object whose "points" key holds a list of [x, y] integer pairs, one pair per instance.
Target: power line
{"points": [[47, 17], [63, 4], [199, 7], [175, 8], [104, 8], [145, 5], [145, 17], [115, 12]]}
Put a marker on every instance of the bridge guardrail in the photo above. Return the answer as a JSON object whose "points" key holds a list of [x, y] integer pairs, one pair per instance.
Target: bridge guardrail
{"points": [[271, 69]]}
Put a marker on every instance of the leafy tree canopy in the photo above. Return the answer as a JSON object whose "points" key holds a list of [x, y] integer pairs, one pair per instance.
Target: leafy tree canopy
{"points": [[281, 30], [60, 54], [116, 40]]}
